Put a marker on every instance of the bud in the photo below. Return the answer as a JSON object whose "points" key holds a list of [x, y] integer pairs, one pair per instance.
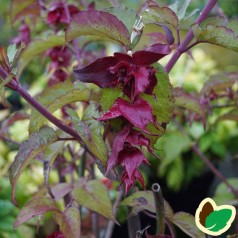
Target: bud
{"points": [[136, 32]]}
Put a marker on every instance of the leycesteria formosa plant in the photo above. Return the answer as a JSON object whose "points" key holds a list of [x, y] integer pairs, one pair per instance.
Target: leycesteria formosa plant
{"points": [[113, 108]]}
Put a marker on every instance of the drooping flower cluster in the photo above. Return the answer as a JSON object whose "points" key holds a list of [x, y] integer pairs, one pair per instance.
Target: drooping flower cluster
{"points": [[24, 35], [60, 59], [134, 75]]}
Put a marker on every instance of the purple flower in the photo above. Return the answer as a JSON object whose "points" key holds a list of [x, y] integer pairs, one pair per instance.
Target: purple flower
{"points": [[24, 35]]}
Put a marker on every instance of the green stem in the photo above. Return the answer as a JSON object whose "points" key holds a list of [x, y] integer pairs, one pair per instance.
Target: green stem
{"points": [[160, 211]]}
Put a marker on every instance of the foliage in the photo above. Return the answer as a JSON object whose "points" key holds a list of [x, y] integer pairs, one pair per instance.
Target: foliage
{"points": [[108, 113]]}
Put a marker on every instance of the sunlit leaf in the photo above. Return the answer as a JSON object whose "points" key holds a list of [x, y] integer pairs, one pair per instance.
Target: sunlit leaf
{"points": [[94, 196], [36, 143], [69, 222], [186, 222], [126, 15], [35, 207], [89, 130], [161, 15], [98, 23], [217, 33], [37, 47], [54, 98], [144, 200], [231, 115]]}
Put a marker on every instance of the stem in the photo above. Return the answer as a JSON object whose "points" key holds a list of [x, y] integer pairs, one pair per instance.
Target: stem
{"points": [[111, 224], [3, 73], [188, 38], [160, 211], [213, 169]]}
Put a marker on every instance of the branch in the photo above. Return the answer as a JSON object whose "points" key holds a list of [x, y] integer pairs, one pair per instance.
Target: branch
{"points": [[188, 38], [217, 173]]}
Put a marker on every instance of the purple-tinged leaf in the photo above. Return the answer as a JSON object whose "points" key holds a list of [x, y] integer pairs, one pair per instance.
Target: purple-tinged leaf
{"points": [[157, 236], [35, 207], [144, 200], [37, 142], [118, 145], [219, 83], [219, 33], [4, 61], [98, 23], [94, 195], [190, 102], [162, 15], [151, 55], [56, 234], [37, 47], [55, 97], [69, 222], [98, 72], [61, 189], [186, 222], [139, 113], [21, 8], [89, 130]]}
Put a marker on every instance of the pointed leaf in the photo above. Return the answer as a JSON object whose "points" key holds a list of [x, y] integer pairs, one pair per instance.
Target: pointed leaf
{"points": [[98, 23], [190, 102], [126, 15], [37, 142], [94, 196], [232, 116], [61, 189], [218, 219], [69, 222], [37, 47], [89, 130], [144, 200], [56, 97], [212, 32], [161, 15], [35, 207], [163, 101], [186, 222]]}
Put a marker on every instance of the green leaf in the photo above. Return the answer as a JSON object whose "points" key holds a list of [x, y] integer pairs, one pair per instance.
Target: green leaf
{"points": [[231, 115], [126, 15], [55, 97], [223, 194], [144, 200], [69, 222], [37, 142], [190, 102], [161, 15], [220, 33], [218, 219], [37, 47], [35, 207], [108, 97], [89, 130], [94, 196], [186, 222], [163, 101], [98, 23]]}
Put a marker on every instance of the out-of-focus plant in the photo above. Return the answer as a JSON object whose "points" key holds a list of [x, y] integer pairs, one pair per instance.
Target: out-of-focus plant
{"points": [[103, 106]]}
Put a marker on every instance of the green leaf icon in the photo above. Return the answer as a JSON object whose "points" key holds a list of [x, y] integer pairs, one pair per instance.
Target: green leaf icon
{"points": [[218, 219]]}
